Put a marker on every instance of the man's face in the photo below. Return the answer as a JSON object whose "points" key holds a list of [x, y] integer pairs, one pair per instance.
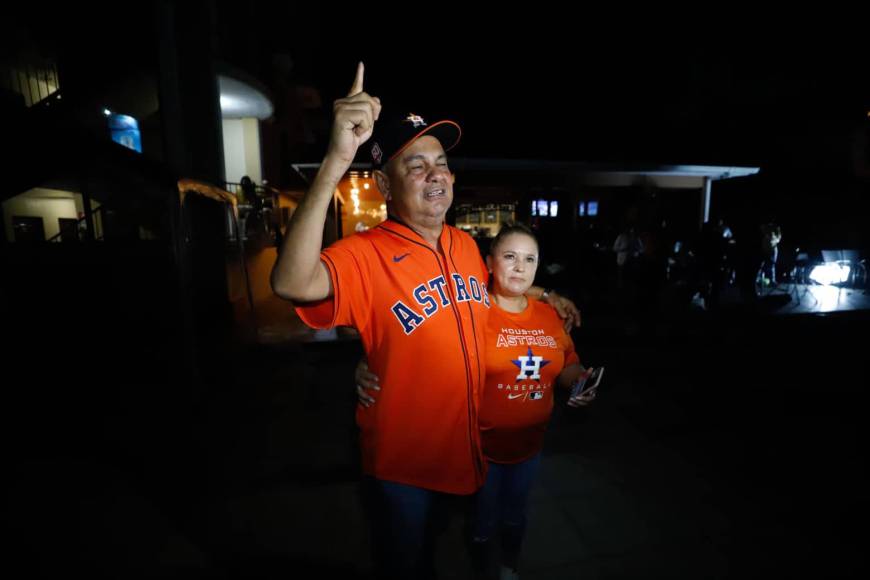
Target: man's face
{"points": [[418, 184]]}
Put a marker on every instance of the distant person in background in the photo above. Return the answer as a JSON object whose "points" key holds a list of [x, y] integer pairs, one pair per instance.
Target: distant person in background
{"points": [[627, 247], [771, 235], [249, 192], [712, 249]]}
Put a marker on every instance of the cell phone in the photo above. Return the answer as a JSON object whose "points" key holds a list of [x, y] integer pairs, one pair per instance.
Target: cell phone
{"points": [[590, 382]]}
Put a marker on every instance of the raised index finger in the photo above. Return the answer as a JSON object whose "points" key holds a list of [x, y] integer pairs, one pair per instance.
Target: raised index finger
{"points": [[357, 87]]}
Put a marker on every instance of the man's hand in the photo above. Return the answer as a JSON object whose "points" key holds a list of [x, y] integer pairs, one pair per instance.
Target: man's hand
{"points": [[566, 309], [365, 380], [355, 117], [299, 274]]}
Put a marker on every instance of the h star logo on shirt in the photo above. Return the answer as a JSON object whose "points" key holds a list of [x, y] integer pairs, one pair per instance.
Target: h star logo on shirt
{"points": [[530, 366]]}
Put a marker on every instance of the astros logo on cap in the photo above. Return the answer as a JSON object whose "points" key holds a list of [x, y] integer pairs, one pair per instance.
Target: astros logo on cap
{"points": [[417, 120]]}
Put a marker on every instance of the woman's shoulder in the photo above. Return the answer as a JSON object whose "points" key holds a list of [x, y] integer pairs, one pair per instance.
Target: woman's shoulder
{"points": [[544, 312]]}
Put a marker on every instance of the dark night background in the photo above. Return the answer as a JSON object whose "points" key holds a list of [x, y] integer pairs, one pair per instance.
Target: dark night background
{"points": [[789, 95], [145, 439]]}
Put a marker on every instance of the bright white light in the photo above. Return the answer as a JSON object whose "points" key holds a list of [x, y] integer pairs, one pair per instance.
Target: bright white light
{"points": [[354, 197], [365, 185], [827, 298], [107, 112], [232, 105], [830, 273]]}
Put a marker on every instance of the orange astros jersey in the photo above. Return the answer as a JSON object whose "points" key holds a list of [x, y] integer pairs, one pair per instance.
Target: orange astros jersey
{"points": [[525, 352], [421, 316]]}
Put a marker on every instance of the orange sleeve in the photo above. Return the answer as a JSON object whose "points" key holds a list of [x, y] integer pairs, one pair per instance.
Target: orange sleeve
{"points": [[571, 356], [350, 303], [555, 326]]}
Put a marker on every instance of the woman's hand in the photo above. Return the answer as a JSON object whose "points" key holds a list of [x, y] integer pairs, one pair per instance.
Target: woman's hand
{"points": [[584, 398], [592, 378]]}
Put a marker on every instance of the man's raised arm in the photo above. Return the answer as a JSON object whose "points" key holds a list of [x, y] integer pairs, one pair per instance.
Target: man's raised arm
{"points": [[298, 274]]}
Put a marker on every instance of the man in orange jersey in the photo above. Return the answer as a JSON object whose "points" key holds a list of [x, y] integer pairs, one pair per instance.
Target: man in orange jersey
{"points": [[415, 289]]}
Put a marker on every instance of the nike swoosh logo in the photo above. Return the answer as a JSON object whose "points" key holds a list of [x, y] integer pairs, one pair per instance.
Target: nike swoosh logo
{"points": [[400, 258], [516, 396]]}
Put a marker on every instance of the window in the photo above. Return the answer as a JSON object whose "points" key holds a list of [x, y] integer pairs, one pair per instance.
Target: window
{"points": [[27, 229], [125, 131], [592, 208], [545, 208]]}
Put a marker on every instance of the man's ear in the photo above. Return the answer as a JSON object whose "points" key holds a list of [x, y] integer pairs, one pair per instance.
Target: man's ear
{"points": [[382, 180]]}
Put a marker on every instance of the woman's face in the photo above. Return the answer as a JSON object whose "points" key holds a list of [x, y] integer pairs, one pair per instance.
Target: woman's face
{"points": [[514, 263]]}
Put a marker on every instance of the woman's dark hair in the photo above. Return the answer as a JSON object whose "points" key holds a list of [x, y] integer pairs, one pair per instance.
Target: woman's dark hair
{"points": [[508, 229]]}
